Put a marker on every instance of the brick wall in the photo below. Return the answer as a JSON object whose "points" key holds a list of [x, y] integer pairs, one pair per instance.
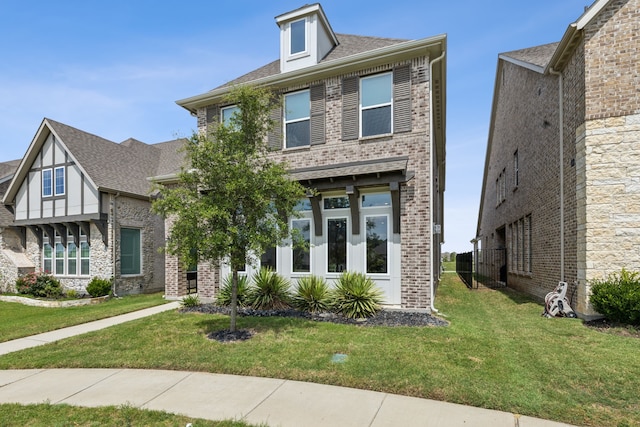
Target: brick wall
{"points": [[416, 253]]}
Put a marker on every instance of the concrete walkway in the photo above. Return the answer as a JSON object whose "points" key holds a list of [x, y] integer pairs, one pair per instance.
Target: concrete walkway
{"points": [[274, 402]]}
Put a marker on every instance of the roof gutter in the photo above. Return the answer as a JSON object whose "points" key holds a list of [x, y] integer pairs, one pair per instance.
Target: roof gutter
{"points": [[403, 50]]}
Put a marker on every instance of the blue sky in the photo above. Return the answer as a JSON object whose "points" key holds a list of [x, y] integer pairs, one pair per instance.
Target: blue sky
{"points": [[115, 68]]}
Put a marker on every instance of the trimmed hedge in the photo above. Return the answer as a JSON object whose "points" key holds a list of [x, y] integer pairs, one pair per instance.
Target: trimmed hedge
{"points": [[618, 297]]}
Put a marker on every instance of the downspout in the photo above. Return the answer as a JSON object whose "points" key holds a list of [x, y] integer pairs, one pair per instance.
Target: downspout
{"points": [[113, 242], [561, 155], [431, 187]]}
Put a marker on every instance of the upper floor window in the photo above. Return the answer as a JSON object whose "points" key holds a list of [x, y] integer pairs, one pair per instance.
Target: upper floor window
{"points": [[516, 170], [59, 176], [376, 104], [298, 33], [297, 115], [227, 113], [47, 183]]}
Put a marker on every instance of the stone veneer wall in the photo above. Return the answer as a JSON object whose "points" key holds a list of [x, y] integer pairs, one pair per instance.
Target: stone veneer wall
{"points": [[416, 256], [136, 213]]}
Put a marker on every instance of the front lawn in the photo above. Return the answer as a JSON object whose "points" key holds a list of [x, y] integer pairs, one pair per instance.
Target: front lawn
{"points": [[18, 320], [497, 353]]}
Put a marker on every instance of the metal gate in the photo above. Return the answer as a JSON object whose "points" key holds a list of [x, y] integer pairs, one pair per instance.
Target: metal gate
{"points": [[492, 268], [464, 268]]}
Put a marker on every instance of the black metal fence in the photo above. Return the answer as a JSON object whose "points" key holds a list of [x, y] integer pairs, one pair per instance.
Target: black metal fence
{"points": [[464, 268], [492, 268]]}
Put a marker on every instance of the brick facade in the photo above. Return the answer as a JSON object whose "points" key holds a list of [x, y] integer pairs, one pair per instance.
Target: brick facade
{"points": [[601, 136], [416, 257]]}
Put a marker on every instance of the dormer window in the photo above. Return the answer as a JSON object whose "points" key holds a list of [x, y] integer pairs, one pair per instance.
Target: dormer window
{"points": [[298, 36]]}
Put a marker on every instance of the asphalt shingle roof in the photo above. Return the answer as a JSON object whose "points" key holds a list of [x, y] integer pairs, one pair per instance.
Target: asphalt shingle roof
{"points": [[122, 167], [348, 45], [537, 55]]}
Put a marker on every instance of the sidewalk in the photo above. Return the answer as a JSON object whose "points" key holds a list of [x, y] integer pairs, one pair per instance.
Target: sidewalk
{"points": [[274, 402]]}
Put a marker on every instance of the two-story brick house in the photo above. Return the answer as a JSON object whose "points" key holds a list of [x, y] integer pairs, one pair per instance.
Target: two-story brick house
{"points": [[363, 123], [80, 207], [561, 193]]}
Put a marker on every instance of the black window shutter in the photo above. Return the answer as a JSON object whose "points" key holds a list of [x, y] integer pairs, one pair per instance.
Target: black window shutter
{"points": [[350, 101], [402, 99], [317, 114]]}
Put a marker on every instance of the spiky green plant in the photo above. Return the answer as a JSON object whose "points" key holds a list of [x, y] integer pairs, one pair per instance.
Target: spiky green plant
{"points": [[312, 294], [223, 298], [270, 291], [356, 296]]}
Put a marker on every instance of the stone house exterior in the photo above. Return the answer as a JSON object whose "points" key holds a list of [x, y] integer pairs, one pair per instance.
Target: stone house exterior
{"points": [[363, 124], [80, 208], [561, 187]]}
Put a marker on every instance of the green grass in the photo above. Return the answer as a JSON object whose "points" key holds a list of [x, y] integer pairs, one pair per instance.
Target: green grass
{"points": [[497, 353], [18, 320], [449, 266], [116, 416]]}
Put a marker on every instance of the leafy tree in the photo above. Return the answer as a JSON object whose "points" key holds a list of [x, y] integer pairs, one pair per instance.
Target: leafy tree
{"points": [[233, 200]]}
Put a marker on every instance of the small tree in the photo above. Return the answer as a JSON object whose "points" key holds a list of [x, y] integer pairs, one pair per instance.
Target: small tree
{"points": [[234, 200]]}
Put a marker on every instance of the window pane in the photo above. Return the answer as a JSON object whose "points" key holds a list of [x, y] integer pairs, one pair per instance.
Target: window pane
{"points": [[297, 105], [336, 202], [376, 121], [59, 258], [268, 259], [301, 259], [376, 90], [380, 199], [377, 244], [47, 255], [303, 205], [84, 258], [228, 112], [130, 251], [298, 134], [59, 180], [72, 258], [337, 244], [46, 182], [298, 36]]}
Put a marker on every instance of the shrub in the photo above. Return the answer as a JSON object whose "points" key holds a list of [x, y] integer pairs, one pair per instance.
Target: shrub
{"points": [[223, 298], [99, 287], [40, 285], [312, 295], [190, 301], [618, 297], [356, 296], [71, 293], [270, 291]]}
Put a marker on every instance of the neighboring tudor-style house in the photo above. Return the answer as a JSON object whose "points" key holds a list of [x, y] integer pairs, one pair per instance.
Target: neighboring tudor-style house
{"points": [[561, 190], [80, 208], [363, 123]]}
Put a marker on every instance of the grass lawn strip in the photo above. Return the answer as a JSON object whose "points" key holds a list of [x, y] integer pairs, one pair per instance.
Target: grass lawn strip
{"points": [[18, 320], [497, 353]]}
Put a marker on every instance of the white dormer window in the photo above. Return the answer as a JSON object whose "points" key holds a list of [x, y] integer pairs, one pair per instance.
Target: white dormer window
{"points": [[298, 31]]}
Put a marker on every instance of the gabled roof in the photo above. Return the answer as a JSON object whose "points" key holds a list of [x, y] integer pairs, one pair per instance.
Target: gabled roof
{"points": [[353, 53], [349, 45], [109, 166], [7, 169], [535, 58]]}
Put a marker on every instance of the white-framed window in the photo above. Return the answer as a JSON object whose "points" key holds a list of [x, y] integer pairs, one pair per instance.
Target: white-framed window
{"points": [[377, 231], [335, 202], [130, 251], [47, 257], [501, 187], [301, 256], [297, 119], [226, 113], [47, 183], [298, 36], [372, 200], [59, 181], [85, 257], [376, 104]]}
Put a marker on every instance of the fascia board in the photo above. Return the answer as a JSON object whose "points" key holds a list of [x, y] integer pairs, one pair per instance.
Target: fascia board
{"points": [[591, 13], [523, 64], [387, 54]]}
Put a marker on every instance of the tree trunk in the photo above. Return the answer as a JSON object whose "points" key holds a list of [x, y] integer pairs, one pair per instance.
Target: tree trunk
{"points": [[234, 300]]}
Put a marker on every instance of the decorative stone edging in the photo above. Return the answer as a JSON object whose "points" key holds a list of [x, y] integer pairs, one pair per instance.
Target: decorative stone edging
{"points": [[54, 304]]}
